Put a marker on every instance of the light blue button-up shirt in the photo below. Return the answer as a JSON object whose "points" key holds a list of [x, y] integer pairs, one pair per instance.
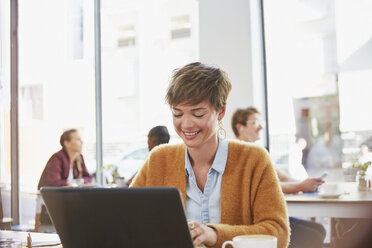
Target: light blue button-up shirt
{"points": [[206, 207]]}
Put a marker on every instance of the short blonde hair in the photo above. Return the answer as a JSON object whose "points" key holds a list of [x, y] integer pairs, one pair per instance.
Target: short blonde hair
{"points": [[197, 82]]}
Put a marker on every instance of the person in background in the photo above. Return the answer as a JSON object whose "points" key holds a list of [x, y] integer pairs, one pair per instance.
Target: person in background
{"points": [[228, 188], [157, 135], [65, 167], [247, 125]]}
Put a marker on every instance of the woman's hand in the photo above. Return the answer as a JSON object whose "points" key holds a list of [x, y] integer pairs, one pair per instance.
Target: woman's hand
{"points": [[202, 234]]}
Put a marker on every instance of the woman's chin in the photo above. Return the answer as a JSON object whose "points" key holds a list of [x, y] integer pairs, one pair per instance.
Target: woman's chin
{"points": [[191, 143]]}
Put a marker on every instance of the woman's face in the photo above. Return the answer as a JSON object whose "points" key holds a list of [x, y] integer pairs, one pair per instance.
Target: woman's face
{"points": [[75, 143], [196, 124], [251, 131]]}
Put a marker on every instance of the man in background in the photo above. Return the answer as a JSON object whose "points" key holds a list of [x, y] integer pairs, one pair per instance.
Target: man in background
{"points": [[247, 125], [157, 135]]}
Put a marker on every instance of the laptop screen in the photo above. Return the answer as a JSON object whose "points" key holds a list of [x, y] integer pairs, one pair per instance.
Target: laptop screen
{"points": [[118, 217]]}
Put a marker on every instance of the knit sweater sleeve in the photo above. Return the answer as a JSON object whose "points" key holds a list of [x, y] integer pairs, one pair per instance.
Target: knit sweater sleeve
{"points": [[163, 167], [267, 212]]}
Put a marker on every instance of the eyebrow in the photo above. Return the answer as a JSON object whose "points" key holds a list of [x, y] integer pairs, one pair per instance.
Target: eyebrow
{"points": [[195, 109]]}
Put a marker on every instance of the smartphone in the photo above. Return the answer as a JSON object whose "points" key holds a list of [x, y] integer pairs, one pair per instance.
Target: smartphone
{"points": [[324, 175]]}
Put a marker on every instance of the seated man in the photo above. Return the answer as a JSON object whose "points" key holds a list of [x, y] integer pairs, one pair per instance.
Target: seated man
{"points": [[157, 135], [65, 167], [247, 124]]}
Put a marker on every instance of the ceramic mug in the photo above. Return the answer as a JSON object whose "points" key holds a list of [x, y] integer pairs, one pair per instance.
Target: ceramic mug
{"points": [[252, 241], [329, 188], [76, 182], [120, 181]]}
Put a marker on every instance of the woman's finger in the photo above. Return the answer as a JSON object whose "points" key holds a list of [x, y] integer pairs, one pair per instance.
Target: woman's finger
{"points": [[198, 242], [196, 232]]}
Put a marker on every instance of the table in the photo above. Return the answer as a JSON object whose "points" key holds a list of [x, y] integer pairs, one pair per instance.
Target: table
{"points": [[37, 238], [354, 204]]}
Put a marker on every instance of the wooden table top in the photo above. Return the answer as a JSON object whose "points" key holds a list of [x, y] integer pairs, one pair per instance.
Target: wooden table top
{"points": [[349, 190]]}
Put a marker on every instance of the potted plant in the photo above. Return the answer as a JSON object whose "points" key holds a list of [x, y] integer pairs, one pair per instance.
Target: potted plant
{"points": [[112, 170], [361, 174]]}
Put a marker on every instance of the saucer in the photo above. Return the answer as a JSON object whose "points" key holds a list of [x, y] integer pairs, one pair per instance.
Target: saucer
{"points": [[331, 195]]}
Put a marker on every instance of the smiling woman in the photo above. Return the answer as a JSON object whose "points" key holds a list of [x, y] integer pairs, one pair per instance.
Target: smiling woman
{"points": [[229, 188]]}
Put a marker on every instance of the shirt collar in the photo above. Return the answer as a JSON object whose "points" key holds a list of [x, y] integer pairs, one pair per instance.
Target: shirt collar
{"points": [[219, 162]]}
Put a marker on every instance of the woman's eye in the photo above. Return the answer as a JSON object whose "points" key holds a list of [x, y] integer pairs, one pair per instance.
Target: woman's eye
{"points": [[177, 115], [199, 116]]}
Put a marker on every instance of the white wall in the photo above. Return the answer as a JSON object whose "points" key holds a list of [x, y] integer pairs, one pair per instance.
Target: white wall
{"points": [[225, 32]]}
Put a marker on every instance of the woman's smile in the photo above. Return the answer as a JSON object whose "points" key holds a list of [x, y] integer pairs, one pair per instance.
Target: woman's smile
{"points": [[190, 135]]}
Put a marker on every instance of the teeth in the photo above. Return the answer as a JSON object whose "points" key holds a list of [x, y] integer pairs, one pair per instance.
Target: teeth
{"points": [[190, 134]]}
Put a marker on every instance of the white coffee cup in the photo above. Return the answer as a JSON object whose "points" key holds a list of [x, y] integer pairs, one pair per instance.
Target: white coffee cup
{"points": [[252, 241], [76, 182], [120, 181], [329, 188]]}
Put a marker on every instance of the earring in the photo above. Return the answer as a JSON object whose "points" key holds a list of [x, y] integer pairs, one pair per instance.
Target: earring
{"points": [[221, 132]]}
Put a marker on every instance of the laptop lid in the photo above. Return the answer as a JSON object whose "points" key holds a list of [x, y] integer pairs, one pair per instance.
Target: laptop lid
{"points": [[118, 217]]}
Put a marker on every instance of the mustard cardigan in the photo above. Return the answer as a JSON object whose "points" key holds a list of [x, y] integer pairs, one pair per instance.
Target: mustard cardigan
{"points": [[251, 199]]}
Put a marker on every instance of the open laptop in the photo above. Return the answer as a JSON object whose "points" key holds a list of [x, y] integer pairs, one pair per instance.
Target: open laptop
{"points": [[118, 217]]}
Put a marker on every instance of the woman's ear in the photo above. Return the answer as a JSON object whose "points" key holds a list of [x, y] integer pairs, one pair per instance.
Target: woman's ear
{"points": [[66, 144], [221, 114]]}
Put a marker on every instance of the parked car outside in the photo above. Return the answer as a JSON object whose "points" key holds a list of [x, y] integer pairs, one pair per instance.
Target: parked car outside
{"points": [[127, 165]]}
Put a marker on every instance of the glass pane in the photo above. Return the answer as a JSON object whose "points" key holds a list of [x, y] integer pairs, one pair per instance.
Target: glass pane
{"points": [[142, 43], [56, 86], [319, 76], [5, 106]]}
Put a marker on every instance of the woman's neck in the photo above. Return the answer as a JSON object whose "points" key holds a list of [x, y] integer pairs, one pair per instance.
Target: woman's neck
{"points": [[203, 155], [72, 155]]}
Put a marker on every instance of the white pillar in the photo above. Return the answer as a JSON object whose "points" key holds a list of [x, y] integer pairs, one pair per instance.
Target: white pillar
{"points": [[230, 37]]}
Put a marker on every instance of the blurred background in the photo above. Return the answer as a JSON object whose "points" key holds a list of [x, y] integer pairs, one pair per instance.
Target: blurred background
{"points": [[306, 64]]}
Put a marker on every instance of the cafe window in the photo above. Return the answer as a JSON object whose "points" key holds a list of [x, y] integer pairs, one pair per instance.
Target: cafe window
{"points": [[5, 174], [56, 86], [57, 80], [138, 57], [32, 102], [181, 27], [319, 79]]}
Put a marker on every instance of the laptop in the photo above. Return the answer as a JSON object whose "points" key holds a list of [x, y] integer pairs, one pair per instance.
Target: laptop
{"points": [[118, 217]]}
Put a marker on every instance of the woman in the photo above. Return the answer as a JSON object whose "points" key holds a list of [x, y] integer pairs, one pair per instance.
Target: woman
{"points": [[247, 125], [229, 188], [66, 165]]}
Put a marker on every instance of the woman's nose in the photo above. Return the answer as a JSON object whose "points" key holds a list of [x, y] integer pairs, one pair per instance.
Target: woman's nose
{"points": [[187, 122]]}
